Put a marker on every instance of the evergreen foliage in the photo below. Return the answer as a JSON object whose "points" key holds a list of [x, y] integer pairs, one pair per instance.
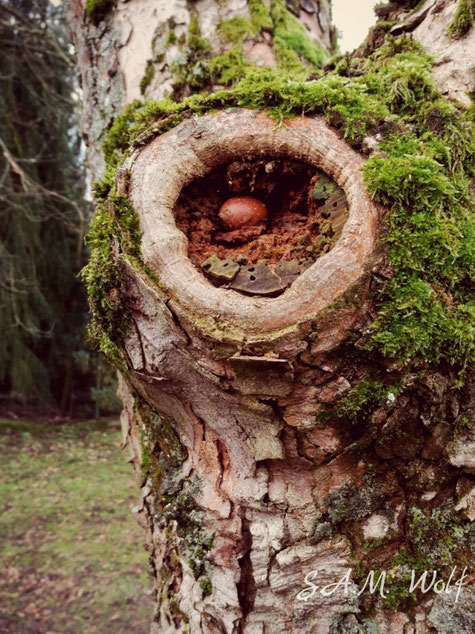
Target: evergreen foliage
{"points": [[42, 307]]}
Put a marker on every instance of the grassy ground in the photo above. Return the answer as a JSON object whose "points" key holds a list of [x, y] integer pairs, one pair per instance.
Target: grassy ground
{"points": [[71, 554]]}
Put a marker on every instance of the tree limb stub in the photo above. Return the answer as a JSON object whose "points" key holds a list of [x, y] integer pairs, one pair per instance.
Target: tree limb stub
{"points": [[197, 146], [226, 371]]}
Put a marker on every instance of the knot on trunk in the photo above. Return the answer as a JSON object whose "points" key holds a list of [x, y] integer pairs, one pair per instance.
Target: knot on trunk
{"points": [[161, 171]]}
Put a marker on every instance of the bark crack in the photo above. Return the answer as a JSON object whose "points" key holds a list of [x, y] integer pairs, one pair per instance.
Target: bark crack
{"points": [[318, 9], [246, 586], [219, 450], [177, 323]]}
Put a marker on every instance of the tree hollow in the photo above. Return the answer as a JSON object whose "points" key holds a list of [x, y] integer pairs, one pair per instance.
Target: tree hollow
{"points": [[196, 147]]}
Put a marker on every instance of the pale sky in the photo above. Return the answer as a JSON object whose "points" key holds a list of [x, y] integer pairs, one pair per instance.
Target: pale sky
{"points": [[353, 18]]}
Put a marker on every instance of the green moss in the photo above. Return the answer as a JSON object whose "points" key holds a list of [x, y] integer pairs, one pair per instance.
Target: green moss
{"points": [[296, 53], [422, 175], [115, 222], [234, 30], [171, 38], [428, 305], [206, 586], [178, 508], [162, 458], [96, 10], [462, 20], [434, 540], [363, 398], [260, 17], [148, 76], [291, 40], [190, 65], [291, 63], [115, 144], [196, 43], [462, 425], [227, 69], [162, 451], [406, 79]]}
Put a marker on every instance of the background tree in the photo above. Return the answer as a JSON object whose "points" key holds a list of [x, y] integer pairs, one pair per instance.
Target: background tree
{"points": [[42, 302], [331, 432]]}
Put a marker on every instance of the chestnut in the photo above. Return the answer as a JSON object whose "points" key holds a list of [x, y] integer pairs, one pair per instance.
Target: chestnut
{"points": [[242, 211]]}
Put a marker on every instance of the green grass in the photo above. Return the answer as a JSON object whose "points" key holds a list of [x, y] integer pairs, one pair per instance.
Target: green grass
{"points": [[71, 551]]}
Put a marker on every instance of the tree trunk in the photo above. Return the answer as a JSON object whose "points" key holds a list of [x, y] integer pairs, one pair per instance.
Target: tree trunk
{"points": [[237, 407], [115, 54]]}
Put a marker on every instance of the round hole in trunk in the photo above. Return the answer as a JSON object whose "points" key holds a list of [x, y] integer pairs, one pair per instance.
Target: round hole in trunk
{"points": [[307, 211]]}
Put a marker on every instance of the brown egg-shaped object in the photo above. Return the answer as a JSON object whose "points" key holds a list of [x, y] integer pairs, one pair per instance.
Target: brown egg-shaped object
{"points": [[242, 211]]}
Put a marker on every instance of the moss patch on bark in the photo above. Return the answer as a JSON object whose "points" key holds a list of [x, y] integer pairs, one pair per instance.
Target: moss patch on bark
{"points": [[96, 10], [422, 172], [174, 506], [463, 19], [295, 51]]}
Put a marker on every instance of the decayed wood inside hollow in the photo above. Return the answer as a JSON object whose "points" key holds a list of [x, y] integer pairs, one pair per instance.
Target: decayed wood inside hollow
{"points": [[306, 214]]}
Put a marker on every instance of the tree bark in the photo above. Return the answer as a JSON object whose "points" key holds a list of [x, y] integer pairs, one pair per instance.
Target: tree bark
{"points": [[222, 391], [113, 53]]}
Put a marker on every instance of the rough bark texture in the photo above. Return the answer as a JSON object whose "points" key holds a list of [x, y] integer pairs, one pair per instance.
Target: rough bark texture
{"points": [[455, 67], [241, 412], [244, 492], [113, 54]]}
